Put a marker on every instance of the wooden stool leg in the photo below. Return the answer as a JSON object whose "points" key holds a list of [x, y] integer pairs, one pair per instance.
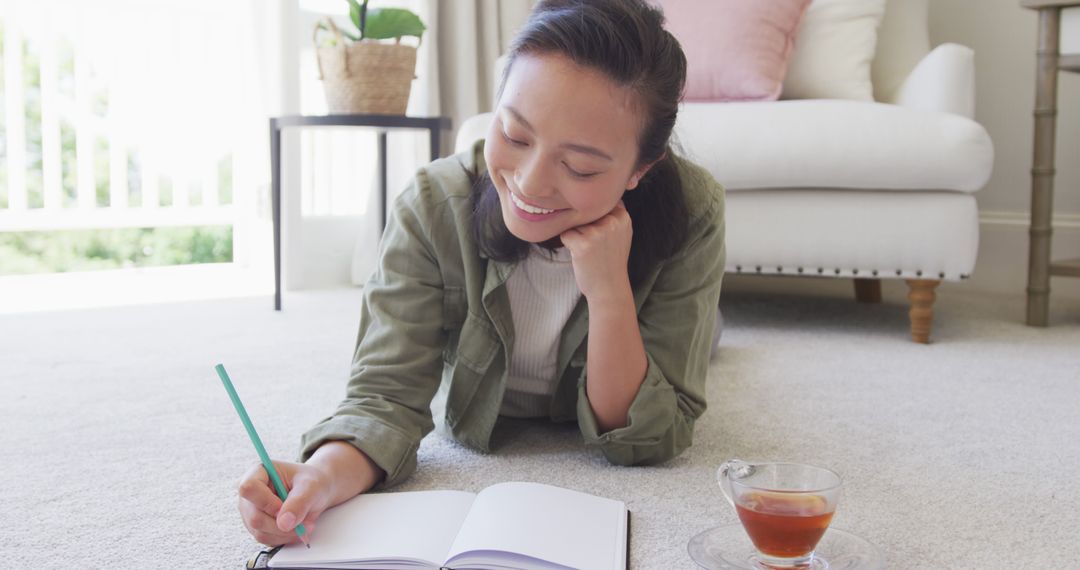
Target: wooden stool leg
{"points": [[922, 297], [868, 290], [1042, 171]]}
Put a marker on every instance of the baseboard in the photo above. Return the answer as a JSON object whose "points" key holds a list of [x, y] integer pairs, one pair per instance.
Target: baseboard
{"points": [[1002, 265]]}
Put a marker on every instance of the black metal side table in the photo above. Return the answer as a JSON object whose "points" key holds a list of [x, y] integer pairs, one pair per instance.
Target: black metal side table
{"points": [[383, 123]]}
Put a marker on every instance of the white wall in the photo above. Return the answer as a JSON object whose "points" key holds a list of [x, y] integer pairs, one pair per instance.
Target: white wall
{"points": [[1003, 36]]}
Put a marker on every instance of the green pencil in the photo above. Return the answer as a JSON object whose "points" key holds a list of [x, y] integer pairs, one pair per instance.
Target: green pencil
{"points": [[267, 464]]}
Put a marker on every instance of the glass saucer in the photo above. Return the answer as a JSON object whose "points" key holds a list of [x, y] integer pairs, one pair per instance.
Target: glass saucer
{"points": [[728, 548]]}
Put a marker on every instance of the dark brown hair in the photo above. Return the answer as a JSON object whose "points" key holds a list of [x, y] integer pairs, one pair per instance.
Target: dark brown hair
{"points": [[626, 41]]}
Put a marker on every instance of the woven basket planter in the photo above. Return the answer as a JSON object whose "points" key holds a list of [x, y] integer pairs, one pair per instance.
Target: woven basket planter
{"points": [[367, 77]]}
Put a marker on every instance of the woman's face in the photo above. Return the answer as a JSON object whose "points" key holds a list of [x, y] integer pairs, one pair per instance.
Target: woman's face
{"points": [[562, 147]]}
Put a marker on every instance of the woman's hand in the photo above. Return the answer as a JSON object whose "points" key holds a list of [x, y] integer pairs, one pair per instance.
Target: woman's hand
{"points": [[600, 252], [271, 522], [617, 361], [335, 473]]}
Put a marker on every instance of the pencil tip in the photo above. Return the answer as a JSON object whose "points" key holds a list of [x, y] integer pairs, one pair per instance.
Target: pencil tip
{"points": [[307, 545]]}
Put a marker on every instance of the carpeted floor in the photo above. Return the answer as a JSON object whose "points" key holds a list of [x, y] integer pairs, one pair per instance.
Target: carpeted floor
{"points": [[119, 447]]}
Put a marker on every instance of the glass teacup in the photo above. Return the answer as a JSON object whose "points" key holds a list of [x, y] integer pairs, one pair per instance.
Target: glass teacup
{"points": [[785, 508]]}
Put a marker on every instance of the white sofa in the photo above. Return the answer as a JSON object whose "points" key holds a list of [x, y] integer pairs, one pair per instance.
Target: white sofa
{"points": [[852, 189]]}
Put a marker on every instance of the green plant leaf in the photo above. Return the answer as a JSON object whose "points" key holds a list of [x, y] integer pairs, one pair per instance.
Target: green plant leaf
{"points": [[386, 23], [354, 15]]}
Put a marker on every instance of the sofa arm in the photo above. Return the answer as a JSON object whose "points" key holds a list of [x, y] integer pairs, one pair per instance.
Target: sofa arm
{"points": [[944, 80], [473, 129]]}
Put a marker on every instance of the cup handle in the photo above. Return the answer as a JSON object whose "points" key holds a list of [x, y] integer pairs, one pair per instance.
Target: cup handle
{"points": [[736, 467]]}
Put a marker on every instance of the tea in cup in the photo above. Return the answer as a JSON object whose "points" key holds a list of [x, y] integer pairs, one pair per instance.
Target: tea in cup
{"points": [[785, 508]]}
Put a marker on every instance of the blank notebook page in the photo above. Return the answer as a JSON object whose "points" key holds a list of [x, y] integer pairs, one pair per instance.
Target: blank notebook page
{"points": [[418, 525], [562, 526]]}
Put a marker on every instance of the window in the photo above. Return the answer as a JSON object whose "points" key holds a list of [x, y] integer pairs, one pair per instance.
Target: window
{"points": [[116, 118]]}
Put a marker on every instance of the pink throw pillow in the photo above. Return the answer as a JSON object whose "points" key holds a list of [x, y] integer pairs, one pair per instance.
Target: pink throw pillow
{"points": [[736, 50]]}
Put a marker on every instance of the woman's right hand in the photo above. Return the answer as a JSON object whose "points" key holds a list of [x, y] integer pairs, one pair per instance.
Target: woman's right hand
{"points": [[335, 473], [273, 523]]}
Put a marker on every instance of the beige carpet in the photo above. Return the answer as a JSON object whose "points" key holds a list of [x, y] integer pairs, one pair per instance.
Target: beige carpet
{"points": [[120, 448]]}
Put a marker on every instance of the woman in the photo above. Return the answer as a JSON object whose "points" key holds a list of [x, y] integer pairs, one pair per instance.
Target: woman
{"points": [[568, 267]]}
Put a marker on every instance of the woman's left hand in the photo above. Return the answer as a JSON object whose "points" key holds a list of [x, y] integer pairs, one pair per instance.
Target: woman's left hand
{"points": [[600, 252]]}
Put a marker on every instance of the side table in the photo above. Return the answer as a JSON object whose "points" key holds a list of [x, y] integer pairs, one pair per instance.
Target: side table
{"points": [[383, 123], [1040, 268]]}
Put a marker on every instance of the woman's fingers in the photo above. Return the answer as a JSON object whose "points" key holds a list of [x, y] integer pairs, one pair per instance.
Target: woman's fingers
{"points": [[261, 525], [272, 521], [299, 506], [264, 528], [255, 488]]}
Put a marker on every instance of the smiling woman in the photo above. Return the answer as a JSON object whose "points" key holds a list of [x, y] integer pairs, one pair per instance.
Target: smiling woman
{"points": [[602, 123], [568, 267], [582, 159], [550, 173]]}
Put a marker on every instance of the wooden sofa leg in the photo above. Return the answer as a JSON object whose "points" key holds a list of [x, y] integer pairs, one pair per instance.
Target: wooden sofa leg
{"points": [[922, 297], [868, 290]]}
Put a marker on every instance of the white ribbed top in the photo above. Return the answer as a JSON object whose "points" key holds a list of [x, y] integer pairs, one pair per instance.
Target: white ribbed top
{"points": [[542, 294]]}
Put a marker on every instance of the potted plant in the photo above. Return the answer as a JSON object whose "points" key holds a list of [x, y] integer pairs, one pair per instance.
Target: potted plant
{"points": [[360, 70]]}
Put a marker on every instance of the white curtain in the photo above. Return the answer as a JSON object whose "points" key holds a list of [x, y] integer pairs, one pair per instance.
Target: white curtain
{"points": [[470, 36]]}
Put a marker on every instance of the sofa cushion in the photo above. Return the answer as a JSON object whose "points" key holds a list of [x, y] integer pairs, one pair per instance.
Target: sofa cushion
{"points": [[736, 50], [835, 144], [834, 50]]}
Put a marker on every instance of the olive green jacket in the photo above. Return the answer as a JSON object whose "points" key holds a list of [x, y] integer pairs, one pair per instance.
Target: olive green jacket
{"points": [[436, 318]]}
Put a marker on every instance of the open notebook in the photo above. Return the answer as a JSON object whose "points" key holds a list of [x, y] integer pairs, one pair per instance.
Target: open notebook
{"points": [[525, 526]]}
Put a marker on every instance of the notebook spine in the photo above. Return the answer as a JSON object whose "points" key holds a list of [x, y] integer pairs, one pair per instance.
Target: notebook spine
{"points": [[261, 559]]}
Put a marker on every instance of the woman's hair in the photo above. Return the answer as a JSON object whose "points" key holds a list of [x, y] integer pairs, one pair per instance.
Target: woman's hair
{"points": [[626, 41]]}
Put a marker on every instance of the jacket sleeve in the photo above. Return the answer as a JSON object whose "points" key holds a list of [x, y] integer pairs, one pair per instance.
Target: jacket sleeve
{"points": [[397, 364], [677, 319]]}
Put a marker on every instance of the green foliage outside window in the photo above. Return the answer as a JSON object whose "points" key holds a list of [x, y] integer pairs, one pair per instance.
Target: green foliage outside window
{"points": [[90, 250]]}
